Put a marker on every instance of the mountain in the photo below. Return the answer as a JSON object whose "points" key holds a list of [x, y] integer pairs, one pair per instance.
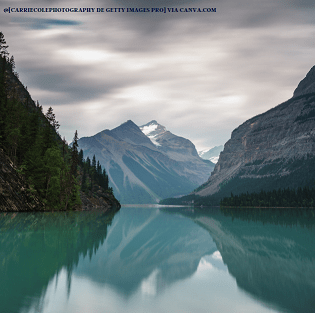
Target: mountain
{"points": [[272, 150], [211, 154], [148, 163], [175, 147]]}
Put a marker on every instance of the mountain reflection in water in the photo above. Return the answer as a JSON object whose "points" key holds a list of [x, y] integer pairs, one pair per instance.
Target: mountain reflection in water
{"points": [[184, 261], [271, 253], [144, 243]]}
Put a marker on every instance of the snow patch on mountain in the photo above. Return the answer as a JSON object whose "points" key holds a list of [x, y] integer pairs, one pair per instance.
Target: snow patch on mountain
{"points": [[211, 154], [147, 129], [153, 139], [152, 130]]}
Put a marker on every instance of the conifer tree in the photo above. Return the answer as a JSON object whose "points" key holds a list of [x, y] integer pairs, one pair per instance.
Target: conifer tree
{"points": [[3, 96], [94, 162], [50, 115], [3, 47], [74, 154], [49, 130], [64, 145], [83, 183], [81, 157], [53, 163], [12, 64], [88, 164]]}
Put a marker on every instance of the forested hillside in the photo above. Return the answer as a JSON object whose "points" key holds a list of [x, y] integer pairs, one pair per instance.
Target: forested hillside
{"points": [[48, 170], [302, 197]]}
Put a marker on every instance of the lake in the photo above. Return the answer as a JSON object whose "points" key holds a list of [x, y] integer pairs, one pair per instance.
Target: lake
{"points": [[158, 259]]}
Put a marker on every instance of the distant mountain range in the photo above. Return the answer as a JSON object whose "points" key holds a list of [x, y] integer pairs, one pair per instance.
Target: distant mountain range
{"points": [[272, 150], [211, 154], [147, 163]]}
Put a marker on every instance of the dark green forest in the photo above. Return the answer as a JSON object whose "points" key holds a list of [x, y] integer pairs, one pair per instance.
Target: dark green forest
{"points": [[54, 171], [92, 174], [286, 198]]}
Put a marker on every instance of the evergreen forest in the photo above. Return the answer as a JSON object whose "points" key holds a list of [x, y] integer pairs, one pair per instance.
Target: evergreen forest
{"points": [[55, 173], [301, 197]]}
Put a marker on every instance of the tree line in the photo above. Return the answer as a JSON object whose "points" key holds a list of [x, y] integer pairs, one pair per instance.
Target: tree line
{"points": [[31, 140], [92, 174], [301, 197]]}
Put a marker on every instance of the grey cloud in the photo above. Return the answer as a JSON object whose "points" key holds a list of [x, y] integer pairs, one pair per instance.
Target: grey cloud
{"points": [[40, 23], [300, 4], [260, 52], [70, 85]]}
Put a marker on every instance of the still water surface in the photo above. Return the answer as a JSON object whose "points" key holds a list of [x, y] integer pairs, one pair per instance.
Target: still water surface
{"points": [[151, 259]]}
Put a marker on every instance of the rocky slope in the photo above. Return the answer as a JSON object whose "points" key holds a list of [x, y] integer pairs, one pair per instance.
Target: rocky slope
{"points": [[100, 199], [273, 150], [143, 169], [307, 85], [15, 194]]}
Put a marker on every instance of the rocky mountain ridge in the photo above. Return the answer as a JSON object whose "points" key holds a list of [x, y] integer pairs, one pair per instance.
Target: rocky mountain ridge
{"points": [[142, 170], [306, 85], [277, 147], [175, 147]]}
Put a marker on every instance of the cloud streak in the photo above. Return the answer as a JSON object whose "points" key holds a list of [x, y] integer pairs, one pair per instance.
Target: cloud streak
{"points": [[41, 23]]}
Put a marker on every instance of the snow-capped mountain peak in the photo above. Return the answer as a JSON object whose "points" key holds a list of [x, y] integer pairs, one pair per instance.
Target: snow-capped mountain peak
{"points": [[152, 130]]}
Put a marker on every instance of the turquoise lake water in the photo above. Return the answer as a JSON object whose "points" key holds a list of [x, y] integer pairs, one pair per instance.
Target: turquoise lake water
{"points": [[158, 259]]}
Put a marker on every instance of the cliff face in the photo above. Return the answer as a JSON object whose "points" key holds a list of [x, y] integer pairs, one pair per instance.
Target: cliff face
{"points": [[307, 85], [14, 192], [99, 200], [274, 145]]}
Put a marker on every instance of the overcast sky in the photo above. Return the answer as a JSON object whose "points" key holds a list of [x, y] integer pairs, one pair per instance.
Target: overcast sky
{"points": [[199, 74]]}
